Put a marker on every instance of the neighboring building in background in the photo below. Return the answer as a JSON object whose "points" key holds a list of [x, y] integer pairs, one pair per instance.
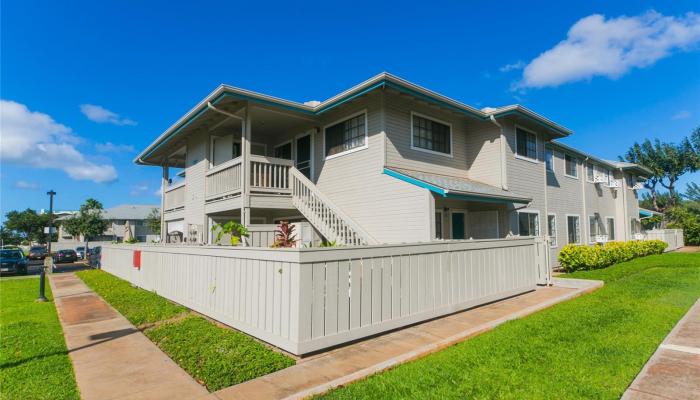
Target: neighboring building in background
{"points": [[117, 217], [57, 214]]}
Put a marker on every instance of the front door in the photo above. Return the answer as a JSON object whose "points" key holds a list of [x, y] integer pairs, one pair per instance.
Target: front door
{"points": [[458, 231], [303, 155]]}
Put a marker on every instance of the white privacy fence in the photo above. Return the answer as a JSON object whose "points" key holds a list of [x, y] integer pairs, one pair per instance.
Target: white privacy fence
{"points": [[304, 300], [674, 237]]}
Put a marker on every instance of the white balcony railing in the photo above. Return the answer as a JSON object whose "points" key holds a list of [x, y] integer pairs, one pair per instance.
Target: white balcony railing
{"points": [[614, 183], [269, 174], [598, 178], [224, 179], [174, 197]]}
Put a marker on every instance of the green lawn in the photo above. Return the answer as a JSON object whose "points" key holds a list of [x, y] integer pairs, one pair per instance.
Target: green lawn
{"points": [[34, 361], [215, 356], [590, 347]]}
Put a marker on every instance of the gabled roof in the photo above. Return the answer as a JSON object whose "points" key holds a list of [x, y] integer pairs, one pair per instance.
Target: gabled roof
{"points": [[124, 211], [379, 81], [608, 163], [452, 187]]}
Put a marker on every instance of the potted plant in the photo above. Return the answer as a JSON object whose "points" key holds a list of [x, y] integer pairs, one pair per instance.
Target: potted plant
{"points": [[232, 228]]}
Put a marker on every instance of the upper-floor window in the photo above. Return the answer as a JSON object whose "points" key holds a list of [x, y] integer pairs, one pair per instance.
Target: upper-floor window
{"points": [[528, 223], [549, 159], [611, 228], [431, 135], [346, 135], [526, 144], [571, 166], [590, 172]]}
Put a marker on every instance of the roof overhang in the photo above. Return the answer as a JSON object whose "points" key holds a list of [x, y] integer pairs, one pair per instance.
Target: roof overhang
{"points": [[379, 81], [468, 195], [625, 166]]}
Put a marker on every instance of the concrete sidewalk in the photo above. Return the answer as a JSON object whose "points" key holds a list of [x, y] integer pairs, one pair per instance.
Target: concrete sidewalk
{"points": [[673, 372], [318, 374], [111, 358]]}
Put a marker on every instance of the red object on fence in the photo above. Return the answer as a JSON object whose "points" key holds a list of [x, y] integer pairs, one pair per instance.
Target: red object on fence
{"points": [[137, 259]]}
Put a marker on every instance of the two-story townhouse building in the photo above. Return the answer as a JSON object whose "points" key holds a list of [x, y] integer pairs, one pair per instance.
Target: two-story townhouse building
{"points": [[386, 161]]}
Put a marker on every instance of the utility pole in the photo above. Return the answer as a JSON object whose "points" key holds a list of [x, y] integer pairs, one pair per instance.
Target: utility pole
{"points": [[42, 276]]}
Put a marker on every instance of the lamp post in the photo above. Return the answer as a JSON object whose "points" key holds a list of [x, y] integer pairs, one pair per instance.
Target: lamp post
{"points": [[42, 275]]}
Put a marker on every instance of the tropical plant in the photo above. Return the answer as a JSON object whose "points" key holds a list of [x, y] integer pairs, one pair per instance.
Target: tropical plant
{"points": [[332, 243], [284, 235], [574, 257], [153, 221], [232, 228]]}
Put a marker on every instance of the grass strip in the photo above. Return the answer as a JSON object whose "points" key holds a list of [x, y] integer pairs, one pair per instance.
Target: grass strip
{"points": [[215, 356], [34, 362], [589, 347]]}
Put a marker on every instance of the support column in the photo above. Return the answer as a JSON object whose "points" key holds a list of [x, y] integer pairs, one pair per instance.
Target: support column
{"points": [[163, 187], [245, 170]]}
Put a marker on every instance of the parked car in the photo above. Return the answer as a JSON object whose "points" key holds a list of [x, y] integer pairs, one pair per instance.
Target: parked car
{"points": [[95, 257], [12, 261], [37, 253], [65, 256], [80, 251]]}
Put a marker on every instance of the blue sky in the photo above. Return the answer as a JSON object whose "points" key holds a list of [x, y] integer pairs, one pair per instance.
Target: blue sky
{"points": [[136, 67]]}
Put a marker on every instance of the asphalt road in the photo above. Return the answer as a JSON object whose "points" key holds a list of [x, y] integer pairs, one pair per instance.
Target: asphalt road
{"points": [[34, 267]]}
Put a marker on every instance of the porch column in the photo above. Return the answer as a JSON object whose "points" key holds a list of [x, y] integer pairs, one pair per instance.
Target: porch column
{"points": [[163, 187], [245, 170]]}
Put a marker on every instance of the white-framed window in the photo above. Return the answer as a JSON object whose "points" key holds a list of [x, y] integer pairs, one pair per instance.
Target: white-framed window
{"points": [[635, 226], [525, 144], [573, 229], [431, 135], [611, 228], [552, 229], [528, 223], [571, 166], [345, 136], [438, 225], [594, 228], [549, 159], [590, 172]]}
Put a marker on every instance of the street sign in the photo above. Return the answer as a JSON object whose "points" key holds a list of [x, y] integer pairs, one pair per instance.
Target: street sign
{"points": [[46, 229]]}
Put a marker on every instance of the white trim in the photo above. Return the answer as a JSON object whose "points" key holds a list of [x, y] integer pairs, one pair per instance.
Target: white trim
{"points": [[593, 175], [530, 211], [354, 149], [575, 169], [458, 211], [521, 157], [556, 230], [591, 237], [442, 225], [439, 153], [579, 228], [607, 228]]}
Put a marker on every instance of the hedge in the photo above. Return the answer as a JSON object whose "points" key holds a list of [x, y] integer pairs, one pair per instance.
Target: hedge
{"points": [[581, 257]]}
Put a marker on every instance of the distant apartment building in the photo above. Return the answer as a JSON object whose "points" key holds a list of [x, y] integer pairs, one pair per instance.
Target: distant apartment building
{"points": [[118, 217]]}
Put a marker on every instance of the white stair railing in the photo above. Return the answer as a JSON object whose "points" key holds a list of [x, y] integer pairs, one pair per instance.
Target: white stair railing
{"points": [[330, 220]]}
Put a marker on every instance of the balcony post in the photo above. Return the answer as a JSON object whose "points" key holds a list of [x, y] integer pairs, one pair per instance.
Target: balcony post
{"points": [[163, 187], [245, 170]]}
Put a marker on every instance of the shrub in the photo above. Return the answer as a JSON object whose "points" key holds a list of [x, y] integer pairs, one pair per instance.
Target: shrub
{"points": [[581, 257]]}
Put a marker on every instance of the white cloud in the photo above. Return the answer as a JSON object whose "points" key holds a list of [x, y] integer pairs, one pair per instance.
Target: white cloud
{"points": [[596, 46], [510, 67], [34, 139], [110, 147], [102, 115], [26, 185], [138, 190], [682, 114]]}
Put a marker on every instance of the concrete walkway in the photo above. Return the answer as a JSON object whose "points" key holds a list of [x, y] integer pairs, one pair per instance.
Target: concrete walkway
{"points": [[673, 372], [328, 370], [111, 358]]}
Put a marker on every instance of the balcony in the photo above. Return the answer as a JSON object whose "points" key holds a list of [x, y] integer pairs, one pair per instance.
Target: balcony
{"points": [[267, 175], [174, 197]]}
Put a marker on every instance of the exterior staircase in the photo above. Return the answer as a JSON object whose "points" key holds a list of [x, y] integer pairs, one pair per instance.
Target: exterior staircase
{"points": [[324, 215]]}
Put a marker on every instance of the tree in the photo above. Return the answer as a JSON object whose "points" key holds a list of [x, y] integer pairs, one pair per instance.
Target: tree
{"points": [[72, 226], [667, 163], [27, 224], [8, 237], [153, 221], [91, 222], [692, 192]]}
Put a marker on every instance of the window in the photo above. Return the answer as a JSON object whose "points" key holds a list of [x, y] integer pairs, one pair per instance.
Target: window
{"points": [[590, 172], [431, 135], [611, 228], [283, 151], [549, 160], [528, 223], [526, 144], [593, 228], [635, 226], [552, 228], [573, 229], [571, 166], [438, 225], [346, 135]]}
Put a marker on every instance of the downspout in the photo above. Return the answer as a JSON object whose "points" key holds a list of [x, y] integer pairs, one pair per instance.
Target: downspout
{"points": [[587, 229], [628, 236], [228, 114], [502, 140]]}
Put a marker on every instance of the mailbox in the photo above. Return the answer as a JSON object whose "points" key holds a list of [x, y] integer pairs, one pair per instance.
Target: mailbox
{"points": [[137, 259]]}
